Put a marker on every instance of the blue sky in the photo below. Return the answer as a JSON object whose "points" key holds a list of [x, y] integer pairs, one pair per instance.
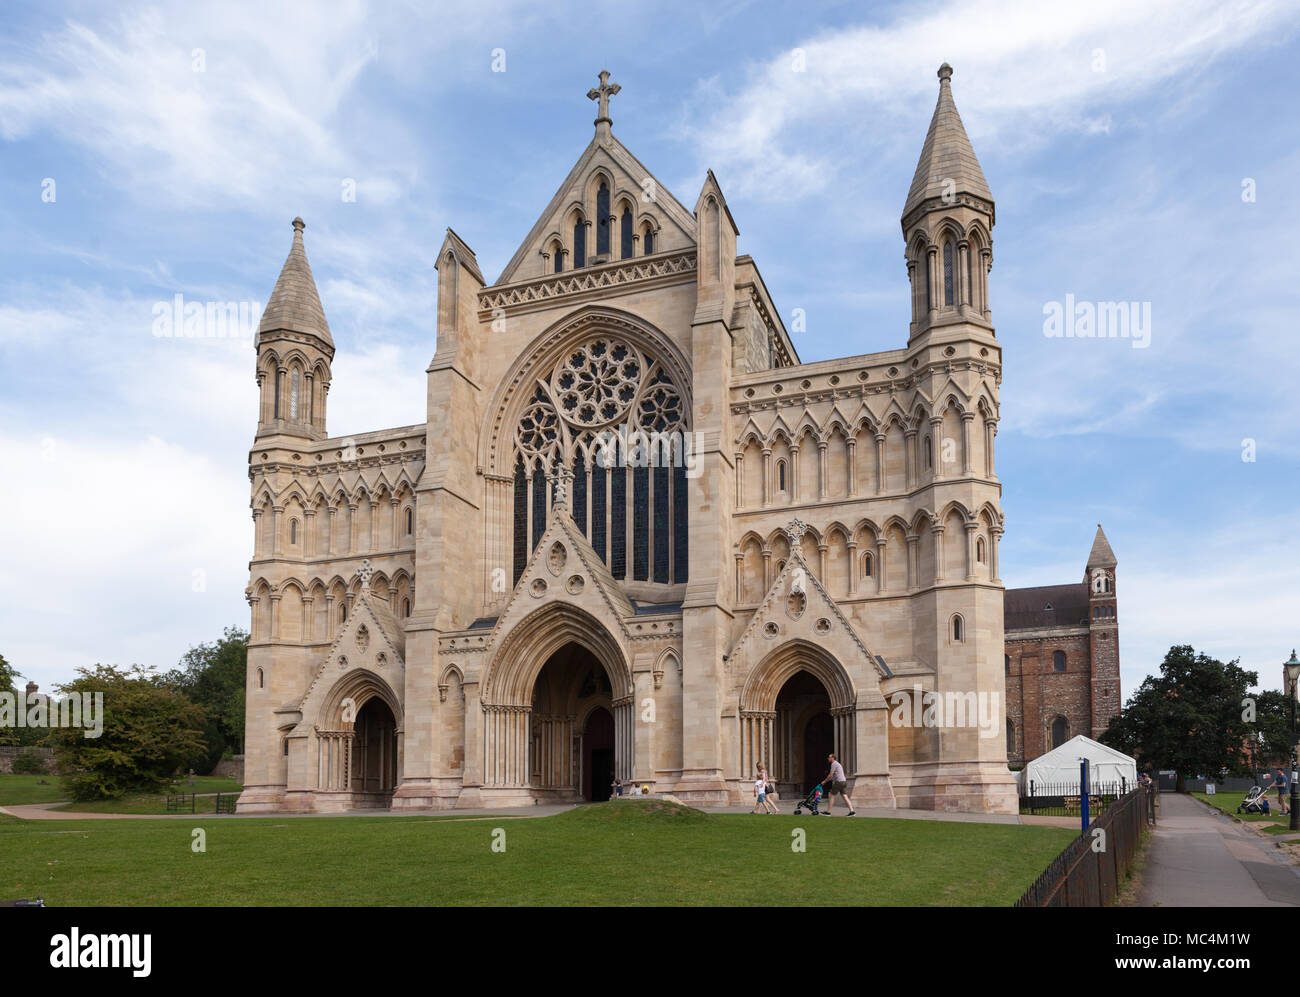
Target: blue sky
{"points": [[1116, 141]]}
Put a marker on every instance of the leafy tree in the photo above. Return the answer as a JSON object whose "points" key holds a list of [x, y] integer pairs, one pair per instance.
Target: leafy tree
{"points": [[150, 730], [1188, 718], [214, 676], [8, 735], [1273, 729]]}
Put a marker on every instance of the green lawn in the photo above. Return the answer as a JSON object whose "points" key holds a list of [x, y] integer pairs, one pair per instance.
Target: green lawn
{"points": [[156, 803], [27, 789], [627, 852], [19, 789], [1227, 803]]}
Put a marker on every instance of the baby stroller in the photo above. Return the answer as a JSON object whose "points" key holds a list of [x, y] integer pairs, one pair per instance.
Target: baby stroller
{"points": [[1254, 803], [811, 801]]}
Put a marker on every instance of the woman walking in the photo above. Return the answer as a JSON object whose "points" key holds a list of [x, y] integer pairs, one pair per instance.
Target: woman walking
{"points": [[761, 789]]}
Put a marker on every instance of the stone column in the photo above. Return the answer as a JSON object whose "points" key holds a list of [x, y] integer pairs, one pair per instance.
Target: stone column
{"points": [[909, 458], [913, 561], [995, 535], [471, 794], [852, 443], [854, 567], [309, 529], [940, 568], [821, 469], [880, 463], [966, 419], [871, 782], [880, 565], [277, 512], [937, 470], [971, 529], [767, 475]]}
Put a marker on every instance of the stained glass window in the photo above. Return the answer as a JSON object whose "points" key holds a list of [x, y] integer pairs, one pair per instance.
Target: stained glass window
{"points": [[579, 245], [641, 524], [602, 220], [947, 273], [661, 524], [625, 234], [521, 519], [618, 522]]}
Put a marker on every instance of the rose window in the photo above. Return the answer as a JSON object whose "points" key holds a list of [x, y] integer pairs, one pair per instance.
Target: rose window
{"points": [[626, 493]]}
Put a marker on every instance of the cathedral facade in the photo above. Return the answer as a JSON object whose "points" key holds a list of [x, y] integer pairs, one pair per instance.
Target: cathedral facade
{"points": [[638, 538]]}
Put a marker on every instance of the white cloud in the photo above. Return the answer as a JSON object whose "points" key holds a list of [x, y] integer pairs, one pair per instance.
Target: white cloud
{"points": [[1025, 72]]}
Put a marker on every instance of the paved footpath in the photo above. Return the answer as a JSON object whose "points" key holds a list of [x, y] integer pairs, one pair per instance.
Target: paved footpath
{"points": [[1199, 858]]}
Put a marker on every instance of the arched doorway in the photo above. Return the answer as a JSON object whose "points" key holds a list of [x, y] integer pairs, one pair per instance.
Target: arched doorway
{"points": [[374, 755], [805, 732], [598, 755], [574, 750]]}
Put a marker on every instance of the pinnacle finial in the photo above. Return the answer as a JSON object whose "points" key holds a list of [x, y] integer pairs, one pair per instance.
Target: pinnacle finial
{"points": [[365, 572], [945, 72], [299, 224]]}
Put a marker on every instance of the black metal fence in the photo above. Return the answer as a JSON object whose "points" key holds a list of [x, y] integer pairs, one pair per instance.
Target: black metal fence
{"points": [[1092, 867], [183, 804], [226, 802], [1064, 799]]}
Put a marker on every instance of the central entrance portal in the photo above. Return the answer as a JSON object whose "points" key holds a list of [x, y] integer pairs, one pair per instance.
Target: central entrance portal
{"points": [[575, 751], [806, 733]]}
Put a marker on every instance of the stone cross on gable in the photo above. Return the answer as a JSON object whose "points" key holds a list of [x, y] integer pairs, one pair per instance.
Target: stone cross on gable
{"points": [[602, 93], [365, 572], [795, 532], [560, 479]]}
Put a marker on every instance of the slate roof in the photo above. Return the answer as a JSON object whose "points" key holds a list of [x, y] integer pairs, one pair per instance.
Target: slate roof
{"points": [[1026, 609]]}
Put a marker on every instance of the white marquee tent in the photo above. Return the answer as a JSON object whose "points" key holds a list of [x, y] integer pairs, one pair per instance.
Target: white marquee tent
{"points": [[1060, 766]]}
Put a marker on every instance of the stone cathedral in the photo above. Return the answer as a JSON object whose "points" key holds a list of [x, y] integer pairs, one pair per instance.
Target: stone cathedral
{"points": [[637, 537]]}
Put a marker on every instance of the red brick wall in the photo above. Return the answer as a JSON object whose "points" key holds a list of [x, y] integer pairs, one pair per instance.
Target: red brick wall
{"points": [[1037, 694]]}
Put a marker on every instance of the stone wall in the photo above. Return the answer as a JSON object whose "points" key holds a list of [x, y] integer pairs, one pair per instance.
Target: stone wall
{"points": [[8, 754], [230, 768]]}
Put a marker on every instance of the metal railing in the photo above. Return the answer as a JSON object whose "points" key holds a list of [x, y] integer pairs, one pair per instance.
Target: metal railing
{"points": [[1092, 867], [1063, 799]]}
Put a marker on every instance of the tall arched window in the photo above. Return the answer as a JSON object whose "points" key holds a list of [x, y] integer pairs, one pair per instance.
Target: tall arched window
{"points": [[866, 565], [979, 550], [1058, 661], [625, 234], [1059, 731], [648, 240], [406, 607], [261, 679], [1011, 738], [410, 521], [579, 244], [293, 395], [1006, 663], [780, 475], [929, 453], [602, 220], [279, 381], [293, 531], [956, 630], [947, 273], [612, 416]]}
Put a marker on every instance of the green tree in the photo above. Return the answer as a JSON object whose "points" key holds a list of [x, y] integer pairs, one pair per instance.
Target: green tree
{"points": [[150, 730], [1273, 725], [8, 735], [214, 676], [1188, 718]]}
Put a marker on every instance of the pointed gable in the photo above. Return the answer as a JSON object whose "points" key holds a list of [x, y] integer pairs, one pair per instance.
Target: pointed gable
{"points": [[812, 616], [564, 567], [673, 224], [295, 304], [947, 155]]}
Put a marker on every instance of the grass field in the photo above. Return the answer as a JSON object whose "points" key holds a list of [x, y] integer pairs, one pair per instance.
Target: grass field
{"points": [[621, 853], [28, 789], [1227, 803], [19, 789]]}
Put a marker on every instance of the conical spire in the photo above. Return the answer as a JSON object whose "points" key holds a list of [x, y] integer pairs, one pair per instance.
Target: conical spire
{"points": [[1101, 556], [295, 306], [947, 155]]}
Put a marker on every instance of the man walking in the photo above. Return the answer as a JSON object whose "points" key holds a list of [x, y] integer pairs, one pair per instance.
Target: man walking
{"points": [[836, 784], [1281, 783]]}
